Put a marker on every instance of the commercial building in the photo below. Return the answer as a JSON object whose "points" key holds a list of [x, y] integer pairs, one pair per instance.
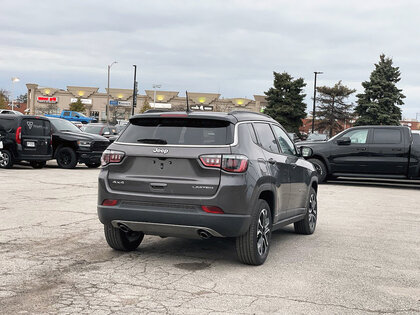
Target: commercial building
{"points": [[42, 100]]}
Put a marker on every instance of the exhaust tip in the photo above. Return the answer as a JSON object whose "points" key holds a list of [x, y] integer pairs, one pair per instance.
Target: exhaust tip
{"points": [[124, 228], [204, 234]]}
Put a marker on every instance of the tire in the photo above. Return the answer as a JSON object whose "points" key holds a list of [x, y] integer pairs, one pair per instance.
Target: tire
{"points": [[252, 248], [93, 165], [119, 240], [66, 158], [308, 224], [6, 159], [37, 164], [320, 168]]}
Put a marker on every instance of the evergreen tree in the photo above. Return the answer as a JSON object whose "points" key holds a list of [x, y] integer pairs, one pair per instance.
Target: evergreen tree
{"points": [[333, 108], [378, 105], [146, 106], [78, 106], [285, 101]]}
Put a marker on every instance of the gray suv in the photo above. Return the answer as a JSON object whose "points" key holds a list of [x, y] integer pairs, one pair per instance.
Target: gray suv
{"points": [[202, 175]]}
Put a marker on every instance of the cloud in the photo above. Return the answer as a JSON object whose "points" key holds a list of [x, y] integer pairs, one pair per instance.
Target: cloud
{"points": [[231, 47]]}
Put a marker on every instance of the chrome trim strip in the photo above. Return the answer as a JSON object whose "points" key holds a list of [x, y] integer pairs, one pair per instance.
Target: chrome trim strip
{"points": [[165, 229]]}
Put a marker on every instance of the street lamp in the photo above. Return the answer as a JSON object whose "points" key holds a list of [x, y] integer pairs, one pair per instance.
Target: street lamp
{"points": [[14, 80], [155, 86], [313, 109], [107, 93]]}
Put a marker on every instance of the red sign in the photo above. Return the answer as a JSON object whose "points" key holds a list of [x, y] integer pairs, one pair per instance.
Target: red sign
{"points": [[46, 99]]}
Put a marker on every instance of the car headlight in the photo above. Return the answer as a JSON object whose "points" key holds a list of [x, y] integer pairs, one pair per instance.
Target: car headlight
{"points": [[84, 143]]}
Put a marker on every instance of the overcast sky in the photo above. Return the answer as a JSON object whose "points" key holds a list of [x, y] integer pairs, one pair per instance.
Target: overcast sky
{"points": [[227, 47]]}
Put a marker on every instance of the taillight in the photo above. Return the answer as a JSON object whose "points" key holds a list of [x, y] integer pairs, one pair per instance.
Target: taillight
{"points": [[19, 135], [211, 160], [212, 209], [109, 202], [235, 163], [111, 156]]}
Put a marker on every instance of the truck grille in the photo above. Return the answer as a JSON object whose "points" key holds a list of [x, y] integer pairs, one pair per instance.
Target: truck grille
{"points": [[100, 145]]}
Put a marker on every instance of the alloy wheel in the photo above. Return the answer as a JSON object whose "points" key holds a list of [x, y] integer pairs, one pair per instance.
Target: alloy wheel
{"points": [[4, 159], [64, 158], [263, 232], [312, 211]]}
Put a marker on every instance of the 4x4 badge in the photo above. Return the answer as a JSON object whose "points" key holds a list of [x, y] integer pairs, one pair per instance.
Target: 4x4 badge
{"points": [[159, 150]]}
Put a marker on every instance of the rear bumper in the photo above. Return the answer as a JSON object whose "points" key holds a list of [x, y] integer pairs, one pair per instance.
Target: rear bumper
{"points": [[165, 222]]}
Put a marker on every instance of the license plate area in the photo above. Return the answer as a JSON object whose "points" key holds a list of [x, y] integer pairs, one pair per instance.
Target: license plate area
{"points": [[30, 144]]}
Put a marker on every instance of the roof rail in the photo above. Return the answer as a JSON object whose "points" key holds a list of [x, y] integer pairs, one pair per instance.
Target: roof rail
{"points": [[235, 112]]}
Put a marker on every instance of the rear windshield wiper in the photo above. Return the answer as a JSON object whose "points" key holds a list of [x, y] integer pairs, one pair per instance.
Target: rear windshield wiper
{"points": [[152, 141]]}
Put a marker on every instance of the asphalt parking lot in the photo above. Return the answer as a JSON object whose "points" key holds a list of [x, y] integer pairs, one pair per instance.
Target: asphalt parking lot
{"points": [[363, 258]]}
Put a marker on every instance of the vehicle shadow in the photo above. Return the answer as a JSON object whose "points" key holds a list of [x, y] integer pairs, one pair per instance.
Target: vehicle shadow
{"points": [[375, 182], [213, 250]]}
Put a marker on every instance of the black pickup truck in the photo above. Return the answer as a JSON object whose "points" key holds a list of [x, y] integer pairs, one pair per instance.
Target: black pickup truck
{"points": [[72, 146], [368, 151]]}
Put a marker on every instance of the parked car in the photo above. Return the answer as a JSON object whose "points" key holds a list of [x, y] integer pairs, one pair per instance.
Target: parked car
{"points": [[202, 175], [72, 146], [367, 151], [317, 137], [108, 131], [78, 124], [24, 138], [9, 111], [73, 116]]}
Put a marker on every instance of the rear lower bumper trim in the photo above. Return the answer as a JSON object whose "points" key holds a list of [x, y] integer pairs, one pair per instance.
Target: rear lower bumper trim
{"points": [[165, 229]]}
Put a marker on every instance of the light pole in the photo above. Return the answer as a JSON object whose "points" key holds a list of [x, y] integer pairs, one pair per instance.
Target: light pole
{"points": [[14, 80], [155, 86], [107, 93], [313, 109], [417, 114]]}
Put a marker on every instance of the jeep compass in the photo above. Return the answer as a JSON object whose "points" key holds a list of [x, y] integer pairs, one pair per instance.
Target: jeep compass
{"points": [[202, 175]]}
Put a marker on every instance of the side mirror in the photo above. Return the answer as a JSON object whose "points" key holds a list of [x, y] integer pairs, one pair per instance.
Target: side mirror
{"points": [[344, 141], [77, 116], [305, 151]]}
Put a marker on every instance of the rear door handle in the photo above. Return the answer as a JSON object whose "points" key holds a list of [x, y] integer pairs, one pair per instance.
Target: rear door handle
{"points": [[397, 150], [361, 149], [271, 161]]}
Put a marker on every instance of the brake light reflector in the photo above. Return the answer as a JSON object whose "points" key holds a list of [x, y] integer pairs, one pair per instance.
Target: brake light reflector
{"points": [[212, 209], [111, 156], [211, 160], [19, 135], [109, 202], [235, 163]]}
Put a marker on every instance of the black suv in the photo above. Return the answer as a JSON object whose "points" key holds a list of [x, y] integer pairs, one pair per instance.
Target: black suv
{"points": [[24, 138], [72, 146], [200, 175]]}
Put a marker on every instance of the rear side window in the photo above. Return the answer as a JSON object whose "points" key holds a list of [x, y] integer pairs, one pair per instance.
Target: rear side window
{"points": [[36, 127], [181, 131], [7, 125], [266, 137], [386, 136], [66, 114]]}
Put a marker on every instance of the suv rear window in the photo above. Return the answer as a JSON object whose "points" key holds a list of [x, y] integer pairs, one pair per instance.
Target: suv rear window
{"points": [[36, 127], [181, 131]]}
